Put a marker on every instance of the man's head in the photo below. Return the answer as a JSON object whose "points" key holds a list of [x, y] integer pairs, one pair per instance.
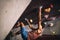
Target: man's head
{"points": [[20, 24]]}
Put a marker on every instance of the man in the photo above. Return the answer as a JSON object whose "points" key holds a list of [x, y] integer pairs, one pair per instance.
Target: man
{"points": [[23, 30], [35, 33]]}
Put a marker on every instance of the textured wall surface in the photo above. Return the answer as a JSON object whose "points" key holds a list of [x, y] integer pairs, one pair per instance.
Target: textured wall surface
{"points": [[10, 11]]}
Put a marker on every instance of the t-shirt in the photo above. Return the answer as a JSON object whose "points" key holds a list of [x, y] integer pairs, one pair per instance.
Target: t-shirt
{"points": [[24, 33]]}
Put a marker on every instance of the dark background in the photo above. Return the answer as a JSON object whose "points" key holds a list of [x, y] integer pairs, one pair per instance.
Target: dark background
{"points": [[31, 11]]}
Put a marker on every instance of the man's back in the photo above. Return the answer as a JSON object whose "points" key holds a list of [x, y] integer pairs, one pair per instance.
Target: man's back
{"points": [[33, 35]]}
